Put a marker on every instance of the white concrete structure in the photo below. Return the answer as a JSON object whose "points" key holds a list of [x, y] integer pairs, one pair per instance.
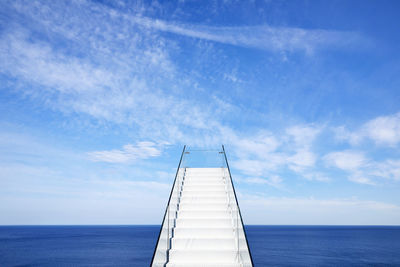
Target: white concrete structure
{"points": [[202, 224]]}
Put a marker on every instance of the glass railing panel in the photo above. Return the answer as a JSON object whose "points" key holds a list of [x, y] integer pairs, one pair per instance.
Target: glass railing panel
{"points": [[244, 256], [203, 158], [160, 256]]}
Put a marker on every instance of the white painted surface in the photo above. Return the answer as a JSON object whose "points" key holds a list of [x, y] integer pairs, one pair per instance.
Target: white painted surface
{"points": [[205, 233], [205, 227]]}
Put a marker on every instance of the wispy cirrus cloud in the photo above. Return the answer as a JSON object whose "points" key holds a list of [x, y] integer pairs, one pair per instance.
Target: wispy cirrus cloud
{"points": [[128, 153], [125, 88], [261, 36], [118, 68], [90, 63]]}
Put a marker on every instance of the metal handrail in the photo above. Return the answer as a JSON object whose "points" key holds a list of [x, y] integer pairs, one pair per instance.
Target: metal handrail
{"points": [[237, 204], [167, 208]]}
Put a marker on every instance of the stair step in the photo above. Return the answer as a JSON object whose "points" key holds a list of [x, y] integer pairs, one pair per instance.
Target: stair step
{"points": [[205, 232], [202, 230], [204, 183], [203, 256], [205, 187], [204, 180], [193, 171], [204, 193], [204, 243], [203, 206], [203, 199], [203, 176], [200, 222], [199, 214]]}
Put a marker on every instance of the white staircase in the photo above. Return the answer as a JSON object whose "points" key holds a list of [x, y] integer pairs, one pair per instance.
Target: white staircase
{"points": [[202, 224], [204, 234]]}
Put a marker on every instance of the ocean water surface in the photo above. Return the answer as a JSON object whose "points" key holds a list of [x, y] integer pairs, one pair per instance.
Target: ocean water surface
{"points": [[133, 245]]}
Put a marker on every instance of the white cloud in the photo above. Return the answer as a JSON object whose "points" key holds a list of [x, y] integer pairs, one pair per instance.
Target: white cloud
{"points": [[361, 169], [300, 139], [303, 135], [48, 182], [316, 176], [273, 180], [342, 134], [346, 160], [259, 166], [302, 159], [38, 63], [383, 130], [262, 36], [256, 154], [251, 167], [135, 87], [353, 162], [118, 68], [259, 145], [361, 178], [127, 68], [129, 153], [388, 169], [265, 154]]}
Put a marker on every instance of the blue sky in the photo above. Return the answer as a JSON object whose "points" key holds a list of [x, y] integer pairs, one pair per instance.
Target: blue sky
{"points": [[99, 97]]}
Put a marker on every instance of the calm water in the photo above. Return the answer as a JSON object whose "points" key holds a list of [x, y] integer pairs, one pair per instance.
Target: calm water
{"points": [[133, 245]]}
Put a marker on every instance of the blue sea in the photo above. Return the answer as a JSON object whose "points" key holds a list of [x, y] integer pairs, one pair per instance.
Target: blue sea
{"points": [[133, 245]]}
